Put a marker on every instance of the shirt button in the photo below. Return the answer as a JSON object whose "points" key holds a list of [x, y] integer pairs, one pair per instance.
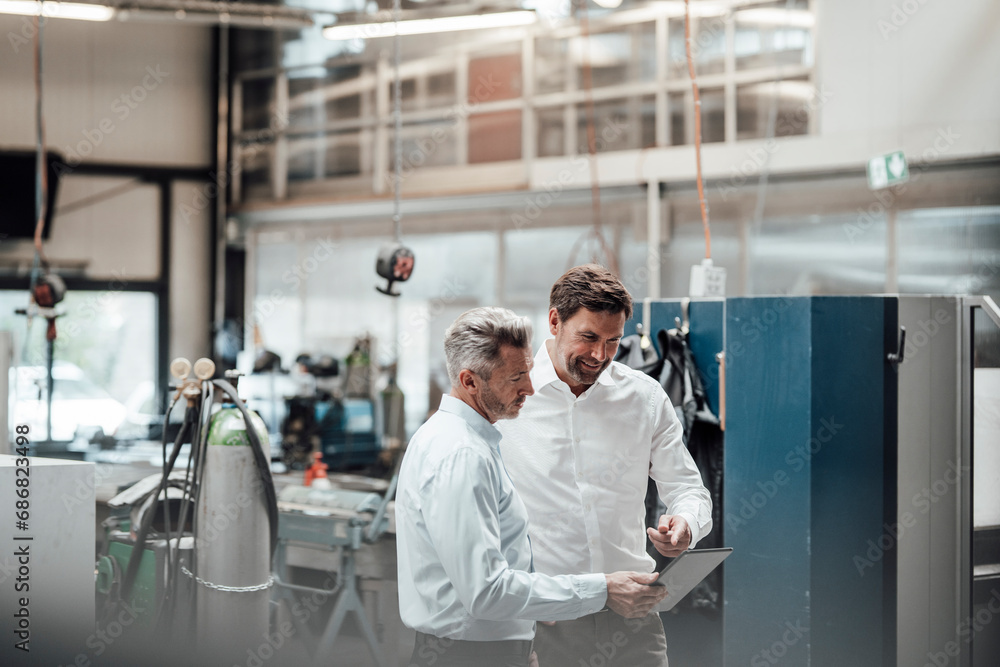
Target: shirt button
{"points": [[576, 440], [587, 508], [579, 475]]}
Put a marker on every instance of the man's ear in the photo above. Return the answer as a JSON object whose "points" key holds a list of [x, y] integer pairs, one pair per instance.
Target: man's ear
{"points": [[468, 381], [553, 321]]}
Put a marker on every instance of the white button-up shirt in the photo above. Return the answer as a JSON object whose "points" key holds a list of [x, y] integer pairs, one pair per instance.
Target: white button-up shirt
{"points": [[464, 557], [581, 463]]}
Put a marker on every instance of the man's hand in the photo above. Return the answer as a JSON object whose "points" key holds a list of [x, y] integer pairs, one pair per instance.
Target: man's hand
{"points": [[631, 596], [673, 537]]}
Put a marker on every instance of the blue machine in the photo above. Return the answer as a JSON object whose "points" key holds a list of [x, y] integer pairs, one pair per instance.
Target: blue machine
{"points": [[831, 435]]}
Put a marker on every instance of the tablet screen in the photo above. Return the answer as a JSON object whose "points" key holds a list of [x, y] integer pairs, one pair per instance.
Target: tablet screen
{"points": [[686, 571]]}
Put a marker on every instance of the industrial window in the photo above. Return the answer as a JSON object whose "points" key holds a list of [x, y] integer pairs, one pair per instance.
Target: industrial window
{"points": [[104, 369]]}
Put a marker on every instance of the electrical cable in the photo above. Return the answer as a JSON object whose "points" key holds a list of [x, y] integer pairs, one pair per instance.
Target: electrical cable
{"points": [[262, 459], [697, 129], [110, 193], [147, 520], [595, 188], [173, 555]]}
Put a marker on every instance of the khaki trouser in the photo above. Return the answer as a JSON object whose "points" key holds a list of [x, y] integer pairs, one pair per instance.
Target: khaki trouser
{"points": [[604, 639], [431, 651]]}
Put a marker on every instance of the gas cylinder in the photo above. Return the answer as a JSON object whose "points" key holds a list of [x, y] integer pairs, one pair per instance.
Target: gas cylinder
{"points": [[232, 539]]}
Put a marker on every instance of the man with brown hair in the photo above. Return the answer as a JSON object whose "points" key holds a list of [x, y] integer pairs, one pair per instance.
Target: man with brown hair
{"points": [[466, 584], [580, 454]]}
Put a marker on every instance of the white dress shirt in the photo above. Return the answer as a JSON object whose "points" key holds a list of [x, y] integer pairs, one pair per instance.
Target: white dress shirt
{"points": [[581, 463], [464, 557]]}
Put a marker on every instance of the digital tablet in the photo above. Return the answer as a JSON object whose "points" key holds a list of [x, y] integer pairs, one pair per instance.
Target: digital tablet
{"points": [[686, 571]]}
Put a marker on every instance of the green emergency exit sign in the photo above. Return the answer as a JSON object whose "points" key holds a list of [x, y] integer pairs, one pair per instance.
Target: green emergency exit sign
{"points": [[887, 170]]}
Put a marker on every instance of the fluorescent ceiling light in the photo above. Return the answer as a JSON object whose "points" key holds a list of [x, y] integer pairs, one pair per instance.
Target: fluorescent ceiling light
{"points": [[425, 26], [57, 10], [796, 18], [608, 4]]}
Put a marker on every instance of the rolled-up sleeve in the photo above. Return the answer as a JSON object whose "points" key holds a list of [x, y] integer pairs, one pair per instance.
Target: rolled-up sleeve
{"points": [[461, 513]]}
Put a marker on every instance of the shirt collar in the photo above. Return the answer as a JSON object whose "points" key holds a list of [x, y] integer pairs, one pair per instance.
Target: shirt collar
{"points": [[479, 424], [544, 372]]}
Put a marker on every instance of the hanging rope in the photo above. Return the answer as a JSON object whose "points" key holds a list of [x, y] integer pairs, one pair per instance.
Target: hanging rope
{"points": [[697, 129], [596, 232], [41, 173], [397, 113]]}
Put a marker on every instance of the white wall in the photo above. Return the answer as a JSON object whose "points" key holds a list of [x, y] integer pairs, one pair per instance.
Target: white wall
{"points": [[94, 74], [126, 94], [900, 70], [190, 274]]}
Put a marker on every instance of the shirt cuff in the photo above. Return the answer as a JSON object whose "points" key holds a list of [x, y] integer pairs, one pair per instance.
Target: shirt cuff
{"points": [[693, 525], [593, 590]]}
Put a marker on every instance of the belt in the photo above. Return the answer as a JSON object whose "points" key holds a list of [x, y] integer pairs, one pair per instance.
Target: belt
{"points": [[519, 647]]}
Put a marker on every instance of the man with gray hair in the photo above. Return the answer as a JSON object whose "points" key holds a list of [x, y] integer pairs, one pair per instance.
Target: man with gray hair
{"points": [[466, 580]]}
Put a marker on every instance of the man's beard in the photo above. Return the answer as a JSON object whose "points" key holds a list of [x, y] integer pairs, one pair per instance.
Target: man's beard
{"points": [[497, 409], [583, 374]]}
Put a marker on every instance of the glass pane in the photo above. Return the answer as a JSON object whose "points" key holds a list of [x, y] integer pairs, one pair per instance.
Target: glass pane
{"points": [[324, 156], [713, 115], [551, 132], [678, 129], [104, 368], [791, 102], [314, 101], [986, 422], [618, 124], [255, 171], [686, 248], [426, 144], [768, 35], [441, 90], [535, 258], [947, 250], [258, 109], [550, 65], [708, 46], [816, 255], [616, 58], [317, 296]]}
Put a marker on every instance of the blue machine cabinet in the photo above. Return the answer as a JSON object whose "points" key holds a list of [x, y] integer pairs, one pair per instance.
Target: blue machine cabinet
{"points": [[810, 480]]}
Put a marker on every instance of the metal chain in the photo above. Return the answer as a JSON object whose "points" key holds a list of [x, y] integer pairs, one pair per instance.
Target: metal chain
{"points": [[229, 589]]}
